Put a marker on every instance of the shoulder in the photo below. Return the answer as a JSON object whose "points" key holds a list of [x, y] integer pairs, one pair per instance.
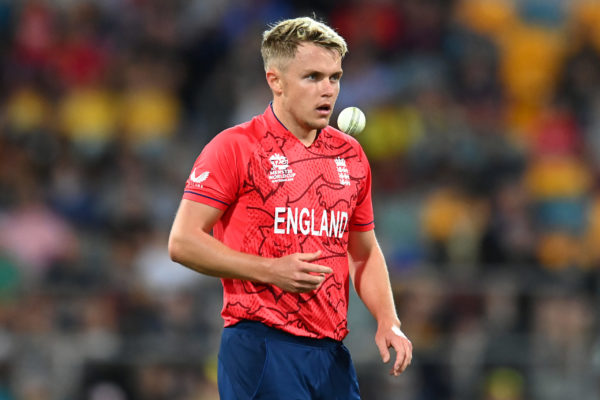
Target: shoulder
{"points": [[340, 139], [338, 135], [241, 136]]}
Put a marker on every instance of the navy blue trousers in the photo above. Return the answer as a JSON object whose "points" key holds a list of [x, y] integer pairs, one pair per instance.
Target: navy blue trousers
{"points": [[259, 362]]}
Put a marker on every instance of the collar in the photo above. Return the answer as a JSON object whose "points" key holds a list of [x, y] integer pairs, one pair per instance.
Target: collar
{"points": [[273, 123], [276, 126]]}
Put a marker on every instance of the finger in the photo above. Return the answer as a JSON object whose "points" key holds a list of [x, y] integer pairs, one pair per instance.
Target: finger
{"points": [[384, 351], [309, 256], [403, 357], [317, 269], [311, 280], [308, 287], [407, 348], [401, 361], [408, 357], [400, 357], [303, 287]]}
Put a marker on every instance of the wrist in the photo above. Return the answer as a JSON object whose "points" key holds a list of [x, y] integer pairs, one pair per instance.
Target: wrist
{"points": [[396, 330], [387, 316], [263, 269], [389, 322]]}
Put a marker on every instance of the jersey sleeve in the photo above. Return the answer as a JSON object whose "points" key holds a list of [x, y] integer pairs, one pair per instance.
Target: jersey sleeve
{"points": [[363, 218], [215, 179]]}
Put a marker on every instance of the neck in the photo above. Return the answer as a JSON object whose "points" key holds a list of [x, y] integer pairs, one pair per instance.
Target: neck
{"points": [[304, 134]]}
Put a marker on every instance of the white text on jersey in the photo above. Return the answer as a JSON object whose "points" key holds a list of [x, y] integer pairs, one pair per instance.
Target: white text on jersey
{"points": [[291, 220]]}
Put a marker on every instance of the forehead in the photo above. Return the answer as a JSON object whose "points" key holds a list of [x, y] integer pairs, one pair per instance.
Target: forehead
{"points": [[310, 56]]}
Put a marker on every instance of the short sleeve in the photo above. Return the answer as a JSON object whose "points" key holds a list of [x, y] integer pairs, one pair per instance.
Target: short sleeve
{"points": [[214, 179], [363, 218]]}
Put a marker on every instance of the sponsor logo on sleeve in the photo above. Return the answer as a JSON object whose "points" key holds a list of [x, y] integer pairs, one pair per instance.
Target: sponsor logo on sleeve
{"points": [[198, 179]]}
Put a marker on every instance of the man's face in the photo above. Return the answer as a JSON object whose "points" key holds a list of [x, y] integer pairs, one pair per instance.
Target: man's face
{"points": [[310, 84]]}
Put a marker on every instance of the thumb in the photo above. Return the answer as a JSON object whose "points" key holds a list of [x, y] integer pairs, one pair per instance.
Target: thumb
{"points": [[309, 256]]}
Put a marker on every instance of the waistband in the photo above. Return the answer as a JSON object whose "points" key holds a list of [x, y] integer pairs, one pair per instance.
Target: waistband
{"points": [[262, 330]]}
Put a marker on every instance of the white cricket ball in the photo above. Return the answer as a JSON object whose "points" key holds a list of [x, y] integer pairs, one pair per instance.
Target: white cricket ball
{"points": [[351, 120]]}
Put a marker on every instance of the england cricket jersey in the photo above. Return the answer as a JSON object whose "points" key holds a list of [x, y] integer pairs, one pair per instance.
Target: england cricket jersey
{"points": [[281, 197]]}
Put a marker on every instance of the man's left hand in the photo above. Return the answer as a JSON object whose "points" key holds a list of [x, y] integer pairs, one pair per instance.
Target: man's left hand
{"points": [[392, 337]]}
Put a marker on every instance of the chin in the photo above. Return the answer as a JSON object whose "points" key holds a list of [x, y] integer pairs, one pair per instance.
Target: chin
{"points": [[320, 124]]}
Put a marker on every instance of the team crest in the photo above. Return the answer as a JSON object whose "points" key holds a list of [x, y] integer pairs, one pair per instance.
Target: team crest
{"points": [[342, 170], [280, 170]]}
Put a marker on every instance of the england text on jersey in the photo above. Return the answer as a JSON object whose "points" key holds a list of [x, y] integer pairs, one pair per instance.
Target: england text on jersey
{"points": [[292, 220]]}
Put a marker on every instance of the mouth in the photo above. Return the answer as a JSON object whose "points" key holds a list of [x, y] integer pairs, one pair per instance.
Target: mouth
{"points": [[324, 109]]}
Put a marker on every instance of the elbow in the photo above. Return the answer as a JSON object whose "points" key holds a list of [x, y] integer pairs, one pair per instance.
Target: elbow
{"points": [[176, 249]]}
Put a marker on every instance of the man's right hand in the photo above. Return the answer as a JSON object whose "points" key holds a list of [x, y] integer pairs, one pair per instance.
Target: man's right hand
{"points": [[296, 274]]}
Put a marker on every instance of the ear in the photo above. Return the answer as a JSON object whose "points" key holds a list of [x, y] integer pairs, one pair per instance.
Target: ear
{"points": [[273, 76]]}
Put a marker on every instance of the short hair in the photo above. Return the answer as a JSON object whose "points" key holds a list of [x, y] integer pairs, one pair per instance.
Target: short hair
{"points": [[282, 39]]}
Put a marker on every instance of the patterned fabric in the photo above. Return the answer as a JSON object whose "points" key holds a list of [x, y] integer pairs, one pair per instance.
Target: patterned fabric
{"points": [[281, 197]]}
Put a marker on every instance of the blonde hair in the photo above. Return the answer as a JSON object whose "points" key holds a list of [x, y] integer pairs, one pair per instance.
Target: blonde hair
{"points": [[282, 39]]}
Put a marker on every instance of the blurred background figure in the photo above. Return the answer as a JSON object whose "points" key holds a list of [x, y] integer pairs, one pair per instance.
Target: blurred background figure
{"points": [[483, 128]]}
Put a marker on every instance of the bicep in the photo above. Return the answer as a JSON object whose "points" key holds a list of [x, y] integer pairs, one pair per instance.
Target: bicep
{"points": [[193, 216], [360, 247], [190, 242], [365, 258]]}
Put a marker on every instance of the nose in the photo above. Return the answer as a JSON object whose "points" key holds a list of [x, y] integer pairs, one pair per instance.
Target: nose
{"points": [[328, 88]]}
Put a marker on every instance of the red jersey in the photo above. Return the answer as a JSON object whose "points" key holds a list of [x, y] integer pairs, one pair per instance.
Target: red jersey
{"points": [[282, 197]]}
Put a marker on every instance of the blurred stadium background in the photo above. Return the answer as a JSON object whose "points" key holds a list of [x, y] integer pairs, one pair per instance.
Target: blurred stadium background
{"points": [[483, 130]]}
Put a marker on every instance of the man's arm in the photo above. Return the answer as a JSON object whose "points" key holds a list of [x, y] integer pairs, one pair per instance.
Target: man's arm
{"points": [[372, 283], [191, 244]]}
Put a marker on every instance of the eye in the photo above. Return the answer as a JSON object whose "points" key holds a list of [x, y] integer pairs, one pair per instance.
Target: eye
{"points": [[335, 78], [312, 76]]}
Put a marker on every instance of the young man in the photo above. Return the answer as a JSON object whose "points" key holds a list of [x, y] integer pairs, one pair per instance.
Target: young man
{"points": [[288, 199]]}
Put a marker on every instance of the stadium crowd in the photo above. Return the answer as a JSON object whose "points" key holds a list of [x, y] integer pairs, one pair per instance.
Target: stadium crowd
{"points": [[483, 132]]}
